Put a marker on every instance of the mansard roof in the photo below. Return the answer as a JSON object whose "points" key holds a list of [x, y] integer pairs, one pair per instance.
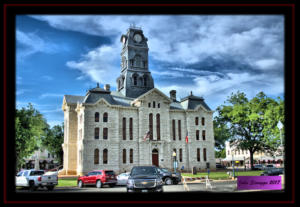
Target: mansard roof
{"points": [[193, 102], [70, 99]]}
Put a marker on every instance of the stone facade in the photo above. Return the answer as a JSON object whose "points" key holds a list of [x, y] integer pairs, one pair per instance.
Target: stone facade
{"points": [[145, 108]]}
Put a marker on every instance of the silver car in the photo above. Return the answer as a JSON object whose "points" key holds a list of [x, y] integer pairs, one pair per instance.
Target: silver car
{"points": [[122, 178]]}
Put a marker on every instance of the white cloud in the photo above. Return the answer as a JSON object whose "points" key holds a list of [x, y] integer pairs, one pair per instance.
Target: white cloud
{"points": [[51, 95]]}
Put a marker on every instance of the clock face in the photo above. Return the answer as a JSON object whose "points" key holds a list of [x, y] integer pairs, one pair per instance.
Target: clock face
{"points": [[137, 38]]}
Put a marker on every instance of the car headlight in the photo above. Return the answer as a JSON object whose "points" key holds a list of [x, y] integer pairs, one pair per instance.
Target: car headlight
{"points": [[159, 181], [130, 182]]}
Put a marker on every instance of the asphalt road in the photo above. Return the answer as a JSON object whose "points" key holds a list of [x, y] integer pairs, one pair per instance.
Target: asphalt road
{"points": [[216, 187]]}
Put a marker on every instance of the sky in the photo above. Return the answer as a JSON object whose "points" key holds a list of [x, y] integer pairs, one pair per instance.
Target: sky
{"points": [[210, 55]]}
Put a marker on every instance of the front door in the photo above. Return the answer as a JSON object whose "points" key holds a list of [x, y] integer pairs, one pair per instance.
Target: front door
{"points": [[155, 157]]}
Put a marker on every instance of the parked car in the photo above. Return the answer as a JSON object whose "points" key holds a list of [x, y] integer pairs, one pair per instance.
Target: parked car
{"points": [[168, 177], [258, 167], [98, 178], [272, 172], [145, 179], [219, 166], [122, 178], [36, 178], [270, 166]]}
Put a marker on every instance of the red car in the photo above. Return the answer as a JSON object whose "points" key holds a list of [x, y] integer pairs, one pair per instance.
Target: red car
{"points": [[98, 178]]}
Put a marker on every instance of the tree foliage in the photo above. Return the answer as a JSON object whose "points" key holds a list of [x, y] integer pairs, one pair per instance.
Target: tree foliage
{"points": [[252, 124], [29, 128], [53, 141]]}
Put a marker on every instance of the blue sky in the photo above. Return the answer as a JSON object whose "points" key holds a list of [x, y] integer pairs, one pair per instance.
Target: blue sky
{"points": [[211, 55]]}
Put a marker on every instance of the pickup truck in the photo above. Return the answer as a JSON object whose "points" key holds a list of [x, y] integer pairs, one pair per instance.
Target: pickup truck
{"points": [[36, 178]]}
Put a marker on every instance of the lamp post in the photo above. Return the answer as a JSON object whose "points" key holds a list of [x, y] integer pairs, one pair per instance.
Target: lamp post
{"points": [[174, 161]]}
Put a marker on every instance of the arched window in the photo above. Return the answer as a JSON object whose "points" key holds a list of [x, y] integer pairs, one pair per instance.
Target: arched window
{"points": [[180, 155], [124, 128], [158, 126], [196, 120], [153, 104], [124, 156], [134, 80], [105, 133], [204, 154], [173, 130], [197, 134], [158, 105], [145, 80], [149, 105], [151, 126], [97, 133], [203, 134], [131, 129], [203, 121], [105, 117], [198, 154], [179, 129], [96, 117], [131, 156], [105, 156], [96, 156]]}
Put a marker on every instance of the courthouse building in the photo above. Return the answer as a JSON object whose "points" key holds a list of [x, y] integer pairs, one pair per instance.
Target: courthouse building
{"points": [[105, 129]]}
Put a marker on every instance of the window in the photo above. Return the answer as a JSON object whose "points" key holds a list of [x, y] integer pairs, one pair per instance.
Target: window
{"points": [[80, 118], [196, 120], [130, 129], [197, 134], [204, 154], [105, 133], [105, 155], [153, 104], [149, 105], [145, 80], [158, 126], [239, 151], [135, 80], [96, 133], [131, 156], [228, 152], [105, 117], [124, 128], [158, 105], [151, 126], [124, 156], [96, 156], [96, 117], [179, 129], [198, 154], [180, 155], [173, 130], [203, 121], [203, 134]]}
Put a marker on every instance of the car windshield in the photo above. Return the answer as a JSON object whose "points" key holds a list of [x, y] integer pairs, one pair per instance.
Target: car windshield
{"points": [[143, 171], [37, 172], [109, 172], [164, 170]]}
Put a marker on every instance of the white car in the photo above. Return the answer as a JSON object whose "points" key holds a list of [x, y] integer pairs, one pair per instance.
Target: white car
{"points": [[122, 178]]}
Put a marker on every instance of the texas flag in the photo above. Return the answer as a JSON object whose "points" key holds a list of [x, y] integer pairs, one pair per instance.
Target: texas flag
{"points": [[187, 137]]}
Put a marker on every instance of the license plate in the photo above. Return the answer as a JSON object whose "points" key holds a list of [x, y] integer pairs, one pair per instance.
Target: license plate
{"points": [[144, 191]]}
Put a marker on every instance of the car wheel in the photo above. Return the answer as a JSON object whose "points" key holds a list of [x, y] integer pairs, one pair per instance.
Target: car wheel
{"points": [[50, 187], [80, 184], [98, 184], [31, 186], [168, 181]]}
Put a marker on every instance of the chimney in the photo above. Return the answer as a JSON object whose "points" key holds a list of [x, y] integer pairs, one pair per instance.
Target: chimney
{"points": [[107, 87], [173, 95]]}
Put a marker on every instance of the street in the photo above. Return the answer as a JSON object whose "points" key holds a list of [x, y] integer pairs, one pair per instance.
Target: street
{"points": [[227, 186]]}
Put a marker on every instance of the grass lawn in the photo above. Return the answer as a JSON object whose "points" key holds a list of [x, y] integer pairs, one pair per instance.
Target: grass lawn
{"points": [[223, 174], [67, 182]]}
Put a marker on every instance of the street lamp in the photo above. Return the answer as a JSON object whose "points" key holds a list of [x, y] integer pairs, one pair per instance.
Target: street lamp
{"points": [[174, 161]]}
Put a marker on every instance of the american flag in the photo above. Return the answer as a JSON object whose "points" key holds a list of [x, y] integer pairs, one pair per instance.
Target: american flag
{"points": [[147, 135], [187, 137]]}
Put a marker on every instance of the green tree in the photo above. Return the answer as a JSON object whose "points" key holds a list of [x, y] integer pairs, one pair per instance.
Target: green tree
{"points": [[53, 141], [29, 129], [222, 134], [252, 124]]}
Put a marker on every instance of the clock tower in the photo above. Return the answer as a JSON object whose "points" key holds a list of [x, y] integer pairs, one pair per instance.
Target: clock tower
{"points": [[135, 78]]}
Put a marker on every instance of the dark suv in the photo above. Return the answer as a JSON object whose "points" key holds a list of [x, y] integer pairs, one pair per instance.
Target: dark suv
{"points": [[168, 177], [144, 179]]}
